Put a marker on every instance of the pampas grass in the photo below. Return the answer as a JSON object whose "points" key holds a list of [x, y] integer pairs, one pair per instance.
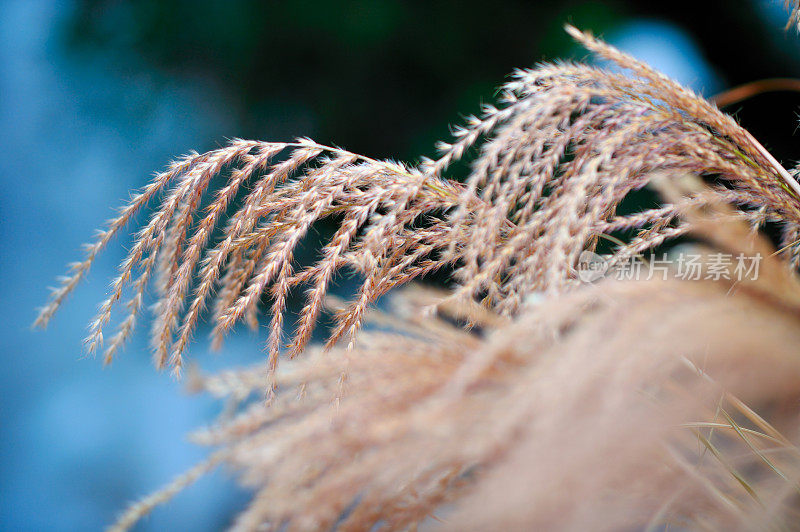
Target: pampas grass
{"points": [[617, 406], [521, 399]]}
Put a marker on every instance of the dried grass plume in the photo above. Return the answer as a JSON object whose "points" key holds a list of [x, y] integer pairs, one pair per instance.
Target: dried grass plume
{"points": [[524, 399]]}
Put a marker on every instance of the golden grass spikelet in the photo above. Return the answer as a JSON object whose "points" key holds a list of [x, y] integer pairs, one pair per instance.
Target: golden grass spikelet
{"points": [[256, 250], [571, 142], [536, 423], [565, 146], [522, 399]]}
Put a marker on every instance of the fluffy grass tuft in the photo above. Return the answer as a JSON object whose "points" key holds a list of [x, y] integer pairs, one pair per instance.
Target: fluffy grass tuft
{"points": [[521, 399]]}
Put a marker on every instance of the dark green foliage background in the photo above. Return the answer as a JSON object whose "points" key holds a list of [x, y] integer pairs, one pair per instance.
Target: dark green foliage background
{"points": [[386, 77]]}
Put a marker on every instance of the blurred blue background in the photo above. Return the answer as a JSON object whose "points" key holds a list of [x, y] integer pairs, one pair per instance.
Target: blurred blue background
{"points": [[96, 95]]}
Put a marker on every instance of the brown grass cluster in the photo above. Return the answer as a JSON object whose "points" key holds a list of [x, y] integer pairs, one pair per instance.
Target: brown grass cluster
{"points": [[623, 405], [567, 145], [522, 399]]}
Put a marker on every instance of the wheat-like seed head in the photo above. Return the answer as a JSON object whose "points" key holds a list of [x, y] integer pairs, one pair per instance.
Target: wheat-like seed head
{"points": [[536, 408], [534, 423], [566, 145], [255, 252]]}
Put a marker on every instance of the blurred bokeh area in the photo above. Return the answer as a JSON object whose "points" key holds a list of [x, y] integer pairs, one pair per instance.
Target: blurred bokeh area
{"points": [[95, 95]]}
